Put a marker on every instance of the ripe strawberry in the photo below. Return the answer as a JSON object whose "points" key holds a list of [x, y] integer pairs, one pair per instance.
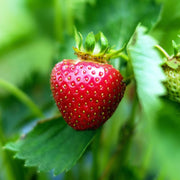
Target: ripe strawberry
{"points": [[87, 91]]}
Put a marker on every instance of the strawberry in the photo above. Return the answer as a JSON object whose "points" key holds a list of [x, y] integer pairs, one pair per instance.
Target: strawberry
{"points": [[171, 67], [87, 91], [172, 81]]}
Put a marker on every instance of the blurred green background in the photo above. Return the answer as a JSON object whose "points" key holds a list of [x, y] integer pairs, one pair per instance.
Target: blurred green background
{"points": [[36, 34]]}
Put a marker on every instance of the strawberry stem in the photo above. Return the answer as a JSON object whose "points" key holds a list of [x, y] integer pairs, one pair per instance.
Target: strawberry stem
{"points": [[95, 150], [124, 56], [162, 51], [22, 97], [5, 155], [172, 61], [125, 137]]}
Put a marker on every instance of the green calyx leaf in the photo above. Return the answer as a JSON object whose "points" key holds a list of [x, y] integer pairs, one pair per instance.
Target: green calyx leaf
{"points": [[173, 62], [104, 44], [78, 39], [90, 42], [97, 48]]}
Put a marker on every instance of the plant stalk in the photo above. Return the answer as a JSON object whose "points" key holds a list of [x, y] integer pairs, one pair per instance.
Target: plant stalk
{"points": [[22, 97], [4, 155], [95, 151], [162, 51], [120, 155]]}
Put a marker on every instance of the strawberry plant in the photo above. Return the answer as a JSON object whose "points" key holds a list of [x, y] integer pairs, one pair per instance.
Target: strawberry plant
{"points": [[96, 108]]}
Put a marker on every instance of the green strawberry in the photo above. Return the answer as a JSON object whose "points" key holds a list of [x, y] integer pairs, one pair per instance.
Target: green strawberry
{"points": [[172, 81], [171, 67]]}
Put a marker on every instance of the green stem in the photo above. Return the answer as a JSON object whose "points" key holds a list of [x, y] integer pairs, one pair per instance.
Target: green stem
{"points": [[133, 111], [126, 133], [2, 138], [22, 97], [162, 51], [120, 156], [4, 155], [146, 162], [95, 151], [124, 56], [58, 4]]}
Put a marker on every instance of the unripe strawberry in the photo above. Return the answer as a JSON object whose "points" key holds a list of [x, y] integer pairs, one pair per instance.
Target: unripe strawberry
{"points": [[172, 82], [171, 67], [87, 91]]}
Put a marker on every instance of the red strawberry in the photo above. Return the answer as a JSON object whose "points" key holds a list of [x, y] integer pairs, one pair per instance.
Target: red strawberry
{"points": [[87, 92]]}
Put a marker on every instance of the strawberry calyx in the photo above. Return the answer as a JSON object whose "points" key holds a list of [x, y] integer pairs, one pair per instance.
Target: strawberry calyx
{"points": [[96, 48], [172, 61]]}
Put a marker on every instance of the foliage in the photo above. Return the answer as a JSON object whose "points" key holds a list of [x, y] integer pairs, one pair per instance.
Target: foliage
{"points": [[141, 139], [58, 144], [144, 55]]}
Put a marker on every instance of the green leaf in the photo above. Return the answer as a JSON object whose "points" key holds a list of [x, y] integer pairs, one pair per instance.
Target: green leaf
{"points": [[90, 42], [118, 19], [147, 71], [52, 145]]}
